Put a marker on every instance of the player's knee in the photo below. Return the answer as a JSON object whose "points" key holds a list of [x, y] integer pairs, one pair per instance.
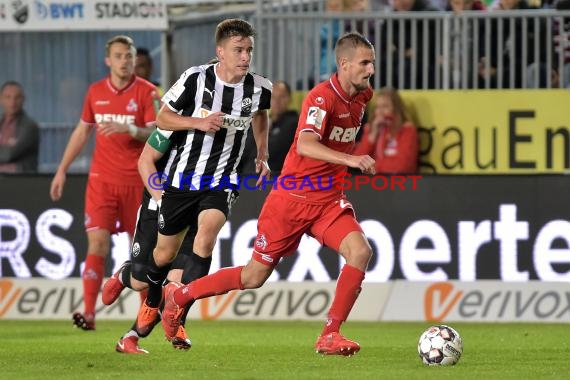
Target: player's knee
{"points": [[137, 285], [359, 256], [99, 247], [364, 253], [163, 255]]}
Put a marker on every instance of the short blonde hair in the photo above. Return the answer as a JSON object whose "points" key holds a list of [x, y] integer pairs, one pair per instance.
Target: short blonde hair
{"points": [[125, 40]]}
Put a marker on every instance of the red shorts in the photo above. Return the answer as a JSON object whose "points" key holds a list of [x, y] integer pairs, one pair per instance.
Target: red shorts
{"points": [[111, 207], [283, 221]]}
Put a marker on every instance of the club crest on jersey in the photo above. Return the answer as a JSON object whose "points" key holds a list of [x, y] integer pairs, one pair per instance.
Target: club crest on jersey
{"points": [[132, 106], [319, 100], [315, 117], [246, 105]]}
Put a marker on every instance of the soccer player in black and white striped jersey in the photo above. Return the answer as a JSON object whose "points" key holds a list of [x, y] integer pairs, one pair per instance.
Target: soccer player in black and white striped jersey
{"points": [[206, 114]]}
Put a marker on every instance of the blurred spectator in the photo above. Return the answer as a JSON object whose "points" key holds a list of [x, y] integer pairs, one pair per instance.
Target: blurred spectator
{"points": [[458, 6], [562, 42], [512, 52], [460, 68], [406, 49], [283, 125], [144, 67], [19, 134], [330, 33], [364, 27], [390, 137], [379, 5], [538, 73]]}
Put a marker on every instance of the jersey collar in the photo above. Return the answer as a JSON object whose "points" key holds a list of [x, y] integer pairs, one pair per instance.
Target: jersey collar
{"points": [[338, 88], [124, 89]]}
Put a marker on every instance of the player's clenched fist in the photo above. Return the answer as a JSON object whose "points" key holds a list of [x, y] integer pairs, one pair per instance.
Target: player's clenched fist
{"points": [[212, 123], [365, 163]]}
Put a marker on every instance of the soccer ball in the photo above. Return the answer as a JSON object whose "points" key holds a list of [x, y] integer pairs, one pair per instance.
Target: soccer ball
{"points": [[440, 345]]}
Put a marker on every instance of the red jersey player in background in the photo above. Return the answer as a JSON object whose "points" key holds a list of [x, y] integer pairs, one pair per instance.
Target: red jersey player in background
{"points": [[120, 108], [330, 118]]}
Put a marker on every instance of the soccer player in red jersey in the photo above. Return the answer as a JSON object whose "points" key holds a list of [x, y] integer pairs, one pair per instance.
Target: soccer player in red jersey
{"points": [[330, 118], [120, 108]]}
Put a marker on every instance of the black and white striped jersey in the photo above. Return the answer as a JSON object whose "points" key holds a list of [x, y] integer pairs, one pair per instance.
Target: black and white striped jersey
{"points": [[206, 160]]}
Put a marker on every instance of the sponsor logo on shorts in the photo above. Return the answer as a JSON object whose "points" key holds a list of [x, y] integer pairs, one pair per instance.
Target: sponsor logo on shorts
{"points": [[261, 242], [161, 222], [136, 249]]}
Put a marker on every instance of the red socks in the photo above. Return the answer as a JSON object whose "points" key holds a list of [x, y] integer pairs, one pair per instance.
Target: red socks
{"points": [[348, 288], [221, 282], [92, 278]]}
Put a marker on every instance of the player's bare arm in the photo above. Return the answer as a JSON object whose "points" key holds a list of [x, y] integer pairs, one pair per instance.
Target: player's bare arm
{"points": [[309, 145], [260, 125], [172, 121], [107, 128], [147, 168], [77, 141]]}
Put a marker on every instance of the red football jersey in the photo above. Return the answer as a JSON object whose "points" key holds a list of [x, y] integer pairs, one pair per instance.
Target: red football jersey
{"points": [[330, 113], [115, 157]]}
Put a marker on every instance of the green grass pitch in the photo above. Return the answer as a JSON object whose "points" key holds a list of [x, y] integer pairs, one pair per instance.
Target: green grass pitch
{"points": [[279, 350]]}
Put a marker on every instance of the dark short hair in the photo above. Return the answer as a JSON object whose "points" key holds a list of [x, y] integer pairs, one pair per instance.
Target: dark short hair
{"points": [[563, 5], [11, 83], [143, 51], [125, 40], [233, 27]]}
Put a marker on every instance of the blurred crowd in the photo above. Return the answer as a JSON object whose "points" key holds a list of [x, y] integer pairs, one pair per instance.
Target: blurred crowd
{"points": [[495, 52], [500, 52]]}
